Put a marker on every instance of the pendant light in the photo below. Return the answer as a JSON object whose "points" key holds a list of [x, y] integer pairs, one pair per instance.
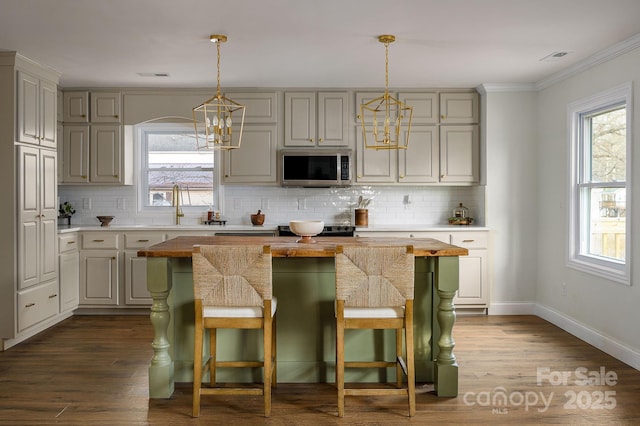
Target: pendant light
{"points": [[382, 118], [215, 118]]}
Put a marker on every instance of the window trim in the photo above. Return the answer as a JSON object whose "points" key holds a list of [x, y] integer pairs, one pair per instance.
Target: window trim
{"points": [[614, 270], [140, 131]]}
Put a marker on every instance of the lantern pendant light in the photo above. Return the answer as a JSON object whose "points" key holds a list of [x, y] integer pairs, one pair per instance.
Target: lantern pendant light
{"points": [[382, 118], [215, 118]]}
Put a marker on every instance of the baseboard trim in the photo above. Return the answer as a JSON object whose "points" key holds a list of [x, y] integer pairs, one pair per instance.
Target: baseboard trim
{"points": [[511, 308], [593, 337]]}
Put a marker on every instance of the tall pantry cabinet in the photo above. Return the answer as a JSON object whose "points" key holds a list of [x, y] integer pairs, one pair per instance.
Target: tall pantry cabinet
{"points": [[29, 286]]}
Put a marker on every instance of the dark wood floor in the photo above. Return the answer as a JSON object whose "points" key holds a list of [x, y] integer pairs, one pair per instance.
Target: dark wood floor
{"points": [[93, 370]]}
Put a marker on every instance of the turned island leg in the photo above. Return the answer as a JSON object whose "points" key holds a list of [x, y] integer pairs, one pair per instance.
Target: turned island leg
{"points": [[161, 380], [446, 284]]}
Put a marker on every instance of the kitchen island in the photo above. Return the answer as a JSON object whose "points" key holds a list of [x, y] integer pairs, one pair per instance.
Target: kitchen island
{"points": [[304, 283]]}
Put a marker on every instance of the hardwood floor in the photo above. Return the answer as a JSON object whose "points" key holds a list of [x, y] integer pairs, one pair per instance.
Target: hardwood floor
{"points": [[93, 370]]}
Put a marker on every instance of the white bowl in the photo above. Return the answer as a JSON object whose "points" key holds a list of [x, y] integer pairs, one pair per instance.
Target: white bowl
{"points": [[306, 229]]}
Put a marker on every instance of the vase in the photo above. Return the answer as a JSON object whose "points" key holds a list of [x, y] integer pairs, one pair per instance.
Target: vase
{"points": [[362, 217]]}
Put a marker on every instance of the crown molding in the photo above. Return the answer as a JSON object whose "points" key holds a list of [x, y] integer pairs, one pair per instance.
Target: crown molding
{"points": [[485, 88], [603, 56]]}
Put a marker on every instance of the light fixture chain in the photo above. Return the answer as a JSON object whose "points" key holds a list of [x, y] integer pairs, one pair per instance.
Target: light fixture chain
{"points": [[386, 67], [218, 90]]}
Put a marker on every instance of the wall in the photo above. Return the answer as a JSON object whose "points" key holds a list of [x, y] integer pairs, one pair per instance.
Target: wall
{"points": [[429, 205], [511, 198], [602, 312]]}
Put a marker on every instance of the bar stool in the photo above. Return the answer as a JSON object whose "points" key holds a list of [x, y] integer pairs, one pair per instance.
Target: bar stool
{"points": [[374, 290], [233, 289]]}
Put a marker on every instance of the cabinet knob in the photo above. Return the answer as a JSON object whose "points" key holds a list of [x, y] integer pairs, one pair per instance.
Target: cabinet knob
{"points": [[442, 176], [83, 115], [401, 176], [321, 139], [113, 258], [310, 139], [115, 116], [359, 176], [359, 116], [443, 116], [115, 176], [83, 176]]}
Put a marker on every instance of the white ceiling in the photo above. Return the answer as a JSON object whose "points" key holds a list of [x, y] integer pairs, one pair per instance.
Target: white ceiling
{"points": [[312, 43]]}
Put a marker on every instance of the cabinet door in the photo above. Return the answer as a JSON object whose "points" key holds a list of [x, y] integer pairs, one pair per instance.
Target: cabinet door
{"points": [[106, 107], [375, 166], [28, 113], [48, 114], [99, 277], [459, 108], [48, 244], [136, 292], [29, 216], [300, 119], [76, 107], [69, 281], [75, 151], [333, 119], [104, 154], [255, 161], [425, 106], [473, 279], [419, 163], [260, 107], [459, 154]]}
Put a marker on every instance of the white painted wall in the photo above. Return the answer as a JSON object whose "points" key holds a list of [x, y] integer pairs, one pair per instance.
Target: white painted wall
{"points": [[609, 310], [511, 198]]}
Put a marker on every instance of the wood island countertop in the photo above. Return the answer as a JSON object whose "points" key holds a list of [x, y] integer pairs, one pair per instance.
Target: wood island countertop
{"points": [[288, 247]]}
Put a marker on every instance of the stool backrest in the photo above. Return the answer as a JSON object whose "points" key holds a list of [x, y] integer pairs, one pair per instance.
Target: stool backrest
{"points": [[232, 275], [374, 276]]}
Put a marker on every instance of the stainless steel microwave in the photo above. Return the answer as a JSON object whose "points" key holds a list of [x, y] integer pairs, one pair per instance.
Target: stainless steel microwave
{"points": [[315, 168]]}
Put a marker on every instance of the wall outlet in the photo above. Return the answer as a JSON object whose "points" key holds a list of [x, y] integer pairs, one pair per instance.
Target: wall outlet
{"points": [[302, 204], [237, 203], [264, 204], [121, 204], [564, 289], [86, 203]]}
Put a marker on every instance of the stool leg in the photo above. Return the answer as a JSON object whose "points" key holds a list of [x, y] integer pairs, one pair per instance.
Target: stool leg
{"points": [[399, 372], [274, 379], [267, 340], [411, 371], [213, 341], [197, 369]]}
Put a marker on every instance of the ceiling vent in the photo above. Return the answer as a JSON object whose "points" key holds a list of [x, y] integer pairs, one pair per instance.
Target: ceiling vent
{"points": [[153, 74], [555, 56]]}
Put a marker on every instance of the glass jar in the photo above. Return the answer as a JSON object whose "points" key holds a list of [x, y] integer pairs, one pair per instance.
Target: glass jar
{"points": [[461, 212]]}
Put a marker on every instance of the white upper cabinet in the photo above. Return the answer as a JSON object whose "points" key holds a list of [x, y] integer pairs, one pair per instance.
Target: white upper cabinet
{"points": [[459, 108], [316, 119], [255, 161], [36, 111], [106, 107], [425, 106], [94, 152], [75, 107], [460, 154]]}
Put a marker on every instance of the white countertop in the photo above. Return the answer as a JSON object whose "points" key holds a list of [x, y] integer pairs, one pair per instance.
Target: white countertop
{"points": [[419, 228], [62, 229], [210, 228]]}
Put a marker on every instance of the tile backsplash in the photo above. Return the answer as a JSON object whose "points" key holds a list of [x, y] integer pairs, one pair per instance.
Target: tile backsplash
{"points": [[390, 205]]}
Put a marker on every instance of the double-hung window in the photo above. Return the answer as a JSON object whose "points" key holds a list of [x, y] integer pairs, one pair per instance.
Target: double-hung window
{"points": [[169, 157], [600, 140]]}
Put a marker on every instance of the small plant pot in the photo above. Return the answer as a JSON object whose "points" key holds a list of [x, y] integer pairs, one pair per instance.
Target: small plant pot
{"points": [[362, 217]]}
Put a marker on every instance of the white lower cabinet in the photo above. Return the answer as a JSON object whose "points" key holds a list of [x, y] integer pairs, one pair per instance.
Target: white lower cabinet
{"points": [[135, 268], [473, 290], [69, 267], [99, 269], [36, 304]]}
